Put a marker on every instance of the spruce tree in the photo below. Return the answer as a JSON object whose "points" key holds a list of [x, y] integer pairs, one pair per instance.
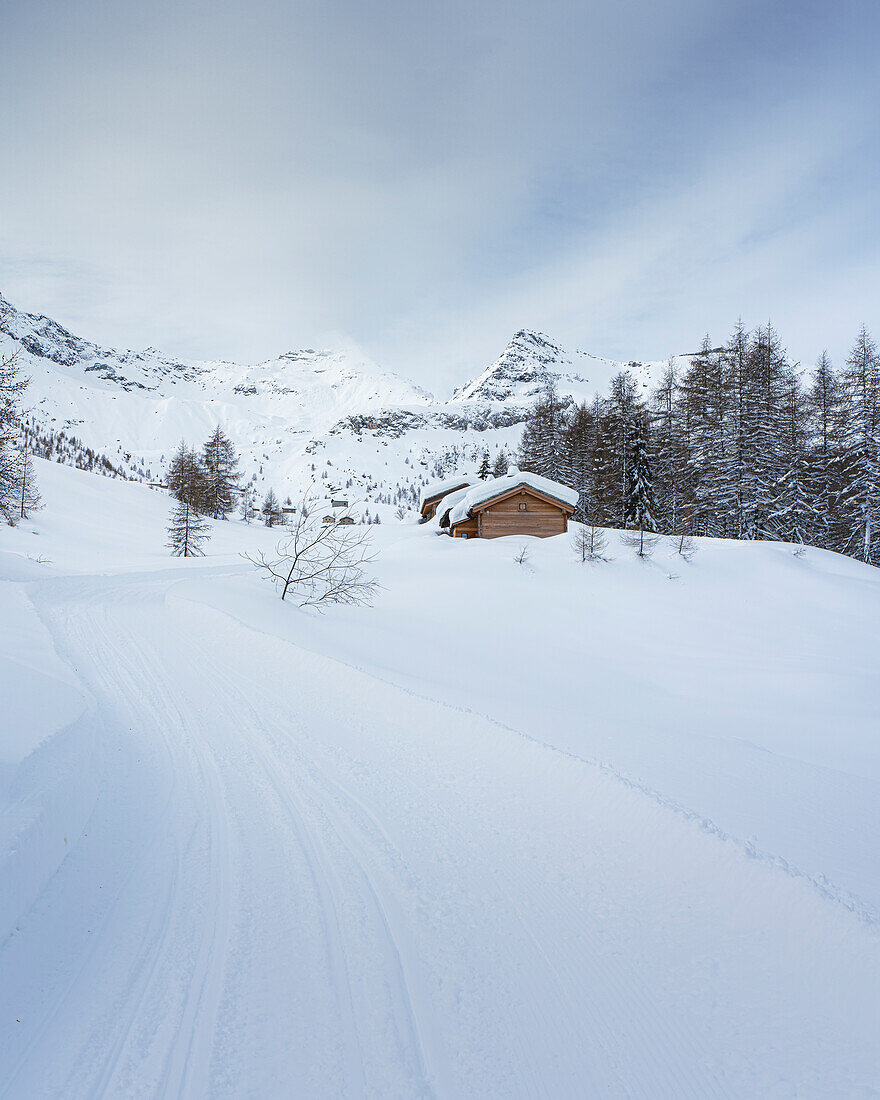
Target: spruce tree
{"points": [[221, 466], [577, 467], [825, 451], [640, 504], [795, 517], [622, 409], [669, 445], [541, 445], [770, 381], [602, 485], [737, 360], [485, 467], [861, 452]]}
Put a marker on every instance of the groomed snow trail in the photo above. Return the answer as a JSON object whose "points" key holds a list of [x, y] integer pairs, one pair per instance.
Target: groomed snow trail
{"points": [[292, 879]]}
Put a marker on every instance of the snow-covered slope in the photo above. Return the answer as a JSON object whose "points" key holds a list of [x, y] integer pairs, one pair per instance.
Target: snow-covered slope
{"points": [[143, 403], [541, 829], [302, 410]]}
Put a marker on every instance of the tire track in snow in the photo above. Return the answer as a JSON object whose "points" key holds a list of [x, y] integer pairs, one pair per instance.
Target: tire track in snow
{"points": [[191, 1050], [89, 962], [344, 852], [329, 886], [105, 654], [858, 907], [330, 797], [119, 662]]}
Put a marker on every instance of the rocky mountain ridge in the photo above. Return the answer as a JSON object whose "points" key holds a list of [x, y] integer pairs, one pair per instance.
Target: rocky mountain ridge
{"points": [[290, 415]]}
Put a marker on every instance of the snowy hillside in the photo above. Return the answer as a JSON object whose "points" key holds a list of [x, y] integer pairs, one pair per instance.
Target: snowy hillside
{"points": [[524, 830], [302, 410]]}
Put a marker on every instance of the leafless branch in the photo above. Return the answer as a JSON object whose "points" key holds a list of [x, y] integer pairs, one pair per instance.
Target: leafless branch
{"points": [[319, 563]]}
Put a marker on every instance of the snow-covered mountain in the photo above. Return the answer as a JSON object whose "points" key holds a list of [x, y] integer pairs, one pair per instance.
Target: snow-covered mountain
{"points": [[308, 414], [531, 360]]}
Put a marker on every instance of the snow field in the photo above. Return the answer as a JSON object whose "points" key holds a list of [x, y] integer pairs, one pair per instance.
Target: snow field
{"points": [[492, 837]]}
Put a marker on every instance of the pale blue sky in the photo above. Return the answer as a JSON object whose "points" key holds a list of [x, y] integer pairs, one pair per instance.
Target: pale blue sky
{"points": [[232, 179]]}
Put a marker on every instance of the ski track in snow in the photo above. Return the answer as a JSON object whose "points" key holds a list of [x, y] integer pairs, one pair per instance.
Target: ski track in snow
{"points": [[299, 879], [828, 889]]}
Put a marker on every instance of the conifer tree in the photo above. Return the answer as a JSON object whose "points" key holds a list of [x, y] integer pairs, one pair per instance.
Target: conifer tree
{"points": [[824, 458], [861, 457], [485, 467], [271, 510], [187, 479], [12, 387], [669, 450], [640, 504], [601, 475], [27, 495], [737, 361], [770, 381], [622, 409], [188, 530], [577, 467], [499, 468], [247, 508], [222, 476], [794, 518], [541, 445]]}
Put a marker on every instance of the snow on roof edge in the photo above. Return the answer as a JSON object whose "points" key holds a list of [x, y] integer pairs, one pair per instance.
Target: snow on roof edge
{"points": [[498, 486], [434, 488], [449, 502]]}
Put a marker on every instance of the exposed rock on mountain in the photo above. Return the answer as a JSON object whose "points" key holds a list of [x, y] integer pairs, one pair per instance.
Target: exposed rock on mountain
{"points": [[284, 415]]}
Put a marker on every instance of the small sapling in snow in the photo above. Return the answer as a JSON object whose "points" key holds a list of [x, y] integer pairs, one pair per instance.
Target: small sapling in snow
{"points": [[590, 543]]}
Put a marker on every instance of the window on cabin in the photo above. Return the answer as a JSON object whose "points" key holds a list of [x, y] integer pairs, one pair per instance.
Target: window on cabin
{"points": [[523, 507]]}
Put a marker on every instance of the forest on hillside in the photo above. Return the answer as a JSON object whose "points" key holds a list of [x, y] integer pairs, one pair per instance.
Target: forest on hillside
{"points": [[741, 444]]}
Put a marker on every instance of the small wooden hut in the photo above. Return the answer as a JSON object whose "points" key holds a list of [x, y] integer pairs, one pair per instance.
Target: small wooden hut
{"points": [[516, 504], [435, 491]]}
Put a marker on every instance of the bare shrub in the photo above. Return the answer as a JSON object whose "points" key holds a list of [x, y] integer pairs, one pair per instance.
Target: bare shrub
{"points": [[590, 543], [685, 546], [643, 542], [319, 563]]}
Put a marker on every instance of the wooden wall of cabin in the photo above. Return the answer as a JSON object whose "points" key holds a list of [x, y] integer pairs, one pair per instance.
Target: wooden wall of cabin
{"points": [[466, 527], [505, 517]]}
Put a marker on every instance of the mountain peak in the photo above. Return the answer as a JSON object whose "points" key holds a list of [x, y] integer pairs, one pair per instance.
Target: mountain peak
{"points": [[521, 372]]}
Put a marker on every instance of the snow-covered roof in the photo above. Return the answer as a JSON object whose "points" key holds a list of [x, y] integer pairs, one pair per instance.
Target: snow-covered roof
{"points": [[440, 488], [448, 502], [488, 490]]}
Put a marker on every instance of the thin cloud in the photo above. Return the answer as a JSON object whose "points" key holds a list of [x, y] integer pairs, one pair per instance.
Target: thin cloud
{"points": [[231, 181]]}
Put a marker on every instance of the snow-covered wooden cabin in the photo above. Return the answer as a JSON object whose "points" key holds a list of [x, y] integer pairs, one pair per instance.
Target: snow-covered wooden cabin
{"points": [[435, 491], [516, 504]]}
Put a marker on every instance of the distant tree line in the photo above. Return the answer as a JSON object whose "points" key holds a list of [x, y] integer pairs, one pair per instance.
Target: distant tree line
{"points": [[739, 444]]}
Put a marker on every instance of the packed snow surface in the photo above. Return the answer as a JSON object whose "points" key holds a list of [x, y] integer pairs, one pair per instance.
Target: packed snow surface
{"points": [[584, 830], [498, 486]]}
